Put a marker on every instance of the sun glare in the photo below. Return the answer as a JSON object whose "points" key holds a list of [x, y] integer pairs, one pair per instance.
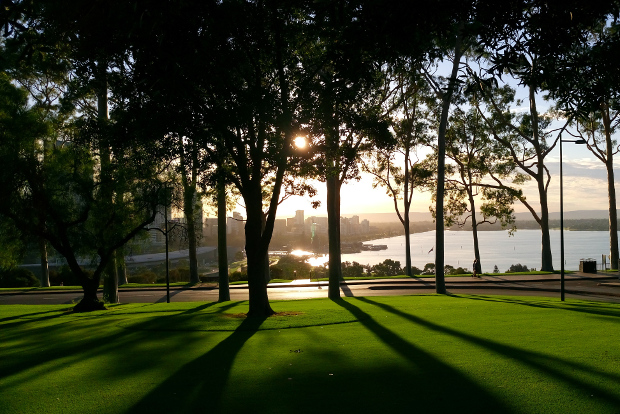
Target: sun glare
{"points": [[300, 142]]}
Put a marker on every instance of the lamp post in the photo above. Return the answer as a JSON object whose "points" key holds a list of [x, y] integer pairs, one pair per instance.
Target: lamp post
{"points": [[576, 141], [165, 232]]}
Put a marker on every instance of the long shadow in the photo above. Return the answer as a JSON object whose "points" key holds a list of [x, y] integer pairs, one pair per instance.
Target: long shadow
{"points": [[546, 364], [200, 384], [443, 384], [346, 290], [20, 320], [178, 321], [173, 293], [29, 315], [591, 308]]}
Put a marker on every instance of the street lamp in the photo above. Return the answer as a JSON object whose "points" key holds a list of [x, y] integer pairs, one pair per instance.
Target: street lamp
{"points": [[576, 141]]}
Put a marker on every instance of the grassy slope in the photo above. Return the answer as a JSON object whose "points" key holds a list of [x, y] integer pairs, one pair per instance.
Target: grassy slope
{"points": [[431, 353]]}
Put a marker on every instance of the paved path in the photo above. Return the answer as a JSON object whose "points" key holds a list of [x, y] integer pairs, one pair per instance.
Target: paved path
{"points": [[602, 287]]}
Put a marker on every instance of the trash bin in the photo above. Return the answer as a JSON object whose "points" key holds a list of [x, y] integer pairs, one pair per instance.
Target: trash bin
{"points": [[587, 266]]}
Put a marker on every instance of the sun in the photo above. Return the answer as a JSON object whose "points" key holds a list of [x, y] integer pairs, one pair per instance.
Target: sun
{"points": [[300, 142]]}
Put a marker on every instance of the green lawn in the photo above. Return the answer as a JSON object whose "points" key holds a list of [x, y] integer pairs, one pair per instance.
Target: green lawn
{"points": [[422, 354]]}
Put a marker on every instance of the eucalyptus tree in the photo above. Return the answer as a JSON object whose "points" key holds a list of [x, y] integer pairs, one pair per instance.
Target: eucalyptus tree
{"points": [[408, 109], [478, 169], [342, 107], [77, 224], [586, 84], [94, 192], [254, 114], [528, 49]]}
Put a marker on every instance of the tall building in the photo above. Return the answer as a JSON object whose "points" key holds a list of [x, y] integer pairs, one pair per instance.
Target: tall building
{"points": [[299, 218]]}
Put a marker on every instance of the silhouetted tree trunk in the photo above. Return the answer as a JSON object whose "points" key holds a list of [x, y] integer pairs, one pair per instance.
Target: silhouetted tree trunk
{"points": [[333, 229], [45, 271], [222, 252], [446, 100]]}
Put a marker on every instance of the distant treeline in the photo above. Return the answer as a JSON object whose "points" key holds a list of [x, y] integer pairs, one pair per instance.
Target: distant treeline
{"points": [[571, 224]]}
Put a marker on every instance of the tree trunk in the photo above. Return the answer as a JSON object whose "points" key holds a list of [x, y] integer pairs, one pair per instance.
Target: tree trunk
{"points": [[474, 230], [613, 213], [189, 198], [121, 267], [546, 256], [407, 205], [255, 250], [407, 245], [222, 253], [110, 277], [45, 271], [110, 282], [440, 282], [333, 229], [89, 302], [191, 236]]}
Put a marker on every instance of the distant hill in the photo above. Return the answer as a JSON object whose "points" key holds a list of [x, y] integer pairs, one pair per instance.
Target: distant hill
{"points": [[570, 215], [525, 216]]}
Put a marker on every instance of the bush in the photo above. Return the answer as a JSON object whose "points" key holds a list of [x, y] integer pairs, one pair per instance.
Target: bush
{"points": [[237, 276], [352, 269], [275, 272], [429, 269], [389, 267], [517, 268], [146, 276], [180, 274], [64, 276], [18, 277]]}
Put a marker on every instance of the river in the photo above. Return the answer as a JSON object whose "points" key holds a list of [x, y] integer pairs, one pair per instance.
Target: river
{"points": [[496, 248]]}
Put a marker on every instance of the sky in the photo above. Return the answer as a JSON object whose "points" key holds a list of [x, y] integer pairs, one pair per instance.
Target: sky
{"points": [[585, 188], [585, 180]]}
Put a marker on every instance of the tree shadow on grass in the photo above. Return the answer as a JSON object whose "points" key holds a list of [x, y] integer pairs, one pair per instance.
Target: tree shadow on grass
{"points": [[549, 365], [446, 389], [585, 307], [199, 385]]}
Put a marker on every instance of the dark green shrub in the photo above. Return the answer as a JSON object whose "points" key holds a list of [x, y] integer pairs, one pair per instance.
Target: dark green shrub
{"points": [[65, 277], [180, 274], [18, 277], [352, 269], [517, 268], [276, 272], [237, 276], [389, 267], [146, 276]]}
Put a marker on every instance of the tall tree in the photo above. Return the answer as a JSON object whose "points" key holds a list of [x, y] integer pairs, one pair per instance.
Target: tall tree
{"points": [[343, 108], [585, 84], [477, 169], [408, 107]]}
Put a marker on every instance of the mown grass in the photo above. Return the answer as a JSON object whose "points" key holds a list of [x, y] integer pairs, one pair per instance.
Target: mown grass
{"points": [[463, 353]]}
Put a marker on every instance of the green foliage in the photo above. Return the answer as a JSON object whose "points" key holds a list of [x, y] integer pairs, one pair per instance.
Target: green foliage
{"points": [[429, 269], [145, 276], [238, 276], [354, 269], [292, 267], [64, 276], [389, 267], [517, 268], [451, 270], [18, 277], [179, 274]]}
